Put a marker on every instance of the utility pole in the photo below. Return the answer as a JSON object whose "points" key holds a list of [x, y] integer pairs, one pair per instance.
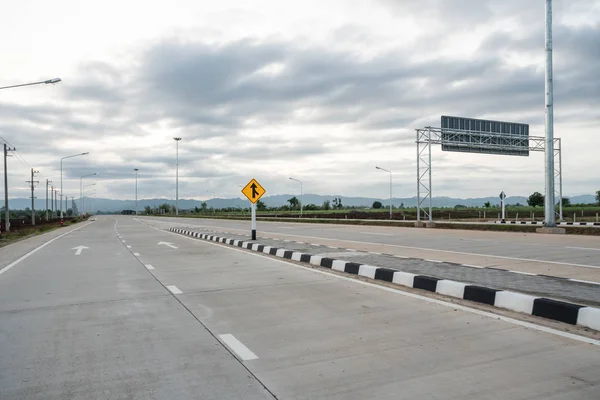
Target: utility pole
{"points": [[549, 219], [47, 181], [32, 183], [7, 213], [53, 192], [177, 139]]}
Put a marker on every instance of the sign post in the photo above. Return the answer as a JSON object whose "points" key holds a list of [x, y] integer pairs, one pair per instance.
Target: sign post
{"points": [[502, 197], [253, 192]]}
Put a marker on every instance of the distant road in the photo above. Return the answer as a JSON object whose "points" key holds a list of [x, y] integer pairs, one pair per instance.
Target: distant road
{"points": [[566, 256]]}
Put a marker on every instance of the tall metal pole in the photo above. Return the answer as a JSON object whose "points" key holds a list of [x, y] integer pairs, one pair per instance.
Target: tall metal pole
{"points": [[418, 181], [7, 213], [549, 218], [61, 190], [560, 193], [47, 199], [430, 185], [32, 200], [177, 139], [136, 204]]}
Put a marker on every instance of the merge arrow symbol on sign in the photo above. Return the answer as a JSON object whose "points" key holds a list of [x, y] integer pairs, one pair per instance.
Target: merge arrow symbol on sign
{"points": [[79, 249]]}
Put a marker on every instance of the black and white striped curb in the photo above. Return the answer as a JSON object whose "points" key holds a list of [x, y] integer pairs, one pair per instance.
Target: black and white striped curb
{"points": [[570, 313], [541, 223]]}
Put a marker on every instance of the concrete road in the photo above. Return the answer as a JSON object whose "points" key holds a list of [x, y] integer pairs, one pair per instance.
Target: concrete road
{"points": [[145, 313], [568, 256]]}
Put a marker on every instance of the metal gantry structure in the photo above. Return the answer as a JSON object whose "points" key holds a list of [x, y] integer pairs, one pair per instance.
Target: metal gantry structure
{"points": [[428, 136]]}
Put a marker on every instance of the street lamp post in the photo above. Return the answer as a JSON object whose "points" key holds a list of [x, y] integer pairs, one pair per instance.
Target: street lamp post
{"points": [[91, 184], [390, 172], [177, 139], [136, 174], [81, 190], [53, 81], [7, 213], [61, 182], [301, 195]]}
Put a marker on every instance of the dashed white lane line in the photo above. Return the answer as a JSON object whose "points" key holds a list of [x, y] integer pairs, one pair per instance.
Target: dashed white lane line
{"points": [[582, 248], [472, 266], [128, 246], [434, 261], [149, 266], [582, 281], [523, 273], [378, 234], [174, 289], [136, 254], [237, 347]]}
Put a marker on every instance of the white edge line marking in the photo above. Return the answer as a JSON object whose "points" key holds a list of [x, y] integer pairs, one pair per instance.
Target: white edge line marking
{"points": [[582, 281], [12, 264], [582, 248], [522, 273], [472, 266], [238, 347], [149, 266], [513, 321], [174, 289], [375, 233]]}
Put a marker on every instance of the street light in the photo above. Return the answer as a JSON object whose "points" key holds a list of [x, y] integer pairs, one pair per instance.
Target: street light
{"points": [[301, 195], [61, 182], [136, 174], [177, 139], [52, 81], [91, 184], [81, 189], [390, 172]]}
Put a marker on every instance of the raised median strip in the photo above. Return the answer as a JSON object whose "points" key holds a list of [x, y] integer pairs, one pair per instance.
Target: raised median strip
{"points": [[570, 313], [542, 223]]}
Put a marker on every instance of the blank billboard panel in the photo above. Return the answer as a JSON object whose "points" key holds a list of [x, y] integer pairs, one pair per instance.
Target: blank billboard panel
{"points": [[488, 143]]}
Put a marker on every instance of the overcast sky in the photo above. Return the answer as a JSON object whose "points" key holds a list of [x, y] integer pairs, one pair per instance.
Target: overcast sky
{"points": [[320, 90]]}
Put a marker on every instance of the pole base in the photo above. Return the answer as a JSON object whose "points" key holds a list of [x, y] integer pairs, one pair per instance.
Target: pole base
{"points": [[551, 230], [253, 234], [430, 224]]}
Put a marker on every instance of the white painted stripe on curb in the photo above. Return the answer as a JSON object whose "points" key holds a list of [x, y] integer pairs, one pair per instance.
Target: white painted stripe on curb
{"points": [[451, 288], [174, 289], [404, 278], [515, 301], [255, 246], [589, 317], [280, 252], [367, 270], [238, 347], [315, 260], [339, 265], [266, 249], [150, 267], [296, 256]]}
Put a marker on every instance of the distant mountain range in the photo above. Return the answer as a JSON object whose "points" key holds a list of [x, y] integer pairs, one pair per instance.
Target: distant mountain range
{"points": [[110, 205]]}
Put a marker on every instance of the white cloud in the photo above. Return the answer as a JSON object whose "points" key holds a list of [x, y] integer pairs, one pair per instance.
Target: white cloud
{"points": [[320, 90]]}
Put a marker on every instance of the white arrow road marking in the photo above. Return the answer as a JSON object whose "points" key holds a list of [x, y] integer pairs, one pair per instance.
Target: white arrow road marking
{"points": [[79, 249], [167, 244]]}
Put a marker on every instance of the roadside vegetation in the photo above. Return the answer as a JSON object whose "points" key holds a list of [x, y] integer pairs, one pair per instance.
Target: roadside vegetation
{"points": [[21, 226]]}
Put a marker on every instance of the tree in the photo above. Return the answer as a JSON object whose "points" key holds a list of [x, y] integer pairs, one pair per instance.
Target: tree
{"points": [[337, 203], [377, 205], [326, 205], [598, 197], [147, 210], [566, 202], [261, 206], [536, 199], [203, 206], [69, 212], [487, 204], [401, 206], [293, 202]]}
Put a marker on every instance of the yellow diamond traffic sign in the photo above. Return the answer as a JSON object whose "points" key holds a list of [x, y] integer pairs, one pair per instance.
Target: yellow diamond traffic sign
{"points": [[253, 191]]}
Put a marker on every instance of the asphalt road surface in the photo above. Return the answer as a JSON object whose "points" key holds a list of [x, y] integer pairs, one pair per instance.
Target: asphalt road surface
{"points": [[141, 313]]}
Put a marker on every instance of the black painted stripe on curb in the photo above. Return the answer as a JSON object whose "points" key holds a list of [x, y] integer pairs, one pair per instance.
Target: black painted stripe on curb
{"points": [[288, 254], [385, 274], [305, 258], [352, 268], [425, 282], [273, 251], [327, 262], [557, 310], [480, 294], [260, 248]]}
